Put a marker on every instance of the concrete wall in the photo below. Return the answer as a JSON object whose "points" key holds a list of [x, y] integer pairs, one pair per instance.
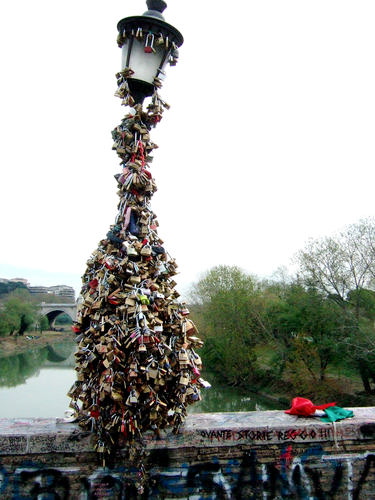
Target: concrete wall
{"points": [[255, 455]]}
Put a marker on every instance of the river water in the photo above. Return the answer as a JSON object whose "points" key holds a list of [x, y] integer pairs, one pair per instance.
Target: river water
{"points": [[35, 383]]}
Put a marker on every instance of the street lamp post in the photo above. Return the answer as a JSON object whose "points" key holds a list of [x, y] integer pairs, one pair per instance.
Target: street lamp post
{"points": [[136, 362]]}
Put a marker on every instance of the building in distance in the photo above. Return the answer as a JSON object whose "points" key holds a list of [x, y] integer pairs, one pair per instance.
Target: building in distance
{"points": [[64, 291], [58, 290]]}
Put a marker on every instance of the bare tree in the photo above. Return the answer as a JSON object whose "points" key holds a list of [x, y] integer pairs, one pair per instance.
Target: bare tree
{"points": [[340, 264], [361, 238]]}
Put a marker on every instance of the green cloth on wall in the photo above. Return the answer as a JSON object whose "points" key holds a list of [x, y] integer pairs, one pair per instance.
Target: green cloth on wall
{"points": [[336, 413]]}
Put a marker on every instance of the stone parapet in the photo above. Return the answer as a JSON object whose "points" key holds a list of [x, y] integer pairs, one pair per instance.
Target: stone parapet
{"points": [[264, 454]]}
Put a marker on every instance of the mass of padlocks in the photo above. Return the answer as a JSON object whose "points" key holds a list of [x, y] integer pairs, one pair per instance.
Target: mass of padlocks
{"points": [[136, 362]]}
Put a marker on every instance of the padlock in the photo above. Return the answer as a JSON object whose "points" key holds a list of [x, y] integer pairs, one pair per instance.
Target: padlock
{"points": [[142, 348], [149, 44], [184, 311], [184, 378], [160, 40], [204, 383], [101, 348], [133, 398], [135, 279], [182, 355], [146, 250], [197, 359], [143, 299], [106, 363], [153, 371]]}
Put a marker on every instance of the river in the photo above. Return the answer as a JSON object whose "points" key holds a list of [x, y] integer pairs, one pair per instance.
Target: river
{"points": [[35, 383]]}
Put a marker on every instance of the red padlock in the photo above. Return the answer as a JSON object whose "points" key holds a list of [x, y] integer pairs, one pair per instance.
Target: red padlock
{"points": [[149, 44]]}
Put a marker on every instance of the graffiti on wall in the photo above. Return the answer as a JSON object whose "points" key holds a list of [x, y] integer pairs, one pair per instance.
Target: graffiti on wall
{"points": [[3, 479], [268, 435], [312, 475], [31, 480]]}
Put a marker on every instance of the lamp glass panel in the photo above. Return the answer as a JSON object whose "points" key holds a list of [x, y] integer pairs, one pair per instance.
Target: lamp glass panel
{"points": [[145, 65]]}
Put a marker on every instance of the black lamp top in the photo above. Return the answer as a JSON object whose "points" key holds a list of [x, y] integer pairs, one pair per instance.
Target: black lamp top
{"points": [[152, 18]]}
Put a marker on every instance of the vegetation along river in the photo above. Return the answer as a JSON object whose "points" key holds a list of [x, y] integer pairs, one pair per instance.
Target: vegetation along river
{"points": [[34, 383]]}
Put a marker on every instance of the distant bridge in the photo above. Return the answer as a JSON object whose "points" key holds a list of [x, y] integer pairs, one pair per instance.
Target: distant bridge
{"points": [[54, 310]]}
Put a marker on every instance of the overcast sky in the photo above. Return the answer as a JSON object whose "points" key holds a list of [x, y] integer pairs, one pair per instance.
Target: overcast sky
{"points": [[269, 139]]}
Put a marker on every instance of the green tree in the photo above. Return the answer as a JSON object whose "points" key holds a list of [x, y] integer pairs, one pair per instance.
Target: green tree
{"points": [[9, 321], [42, 323], [221, 279], [363, 302], [225, 298], [361, 348], [8, 287], [17, 316], [310, 330]]}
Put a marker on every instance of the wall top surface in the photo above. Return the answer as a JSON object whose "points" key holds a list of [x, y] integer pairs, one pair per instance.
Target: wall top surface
{"points": [[46, 435]]}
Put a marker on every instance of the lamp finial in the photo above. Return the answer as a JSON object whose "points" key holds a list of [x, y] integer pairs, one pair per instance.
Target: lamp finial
{"points": [[158, 5]]}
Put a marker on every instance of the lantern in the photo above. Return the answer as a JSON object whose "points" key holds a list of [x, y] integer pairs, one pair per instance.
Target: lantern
{"points": [[148, 44]]}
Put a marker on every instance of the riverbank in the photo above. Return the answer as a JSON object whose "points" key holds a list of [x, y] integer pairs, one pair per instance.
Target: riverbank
{"points": [[16, 344], [337, 387], [344, 390]]}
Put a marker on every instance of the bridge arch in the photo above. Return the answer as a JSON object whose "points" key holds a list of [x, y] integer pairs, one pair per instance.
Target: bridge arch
{"points": [[52, 311]]}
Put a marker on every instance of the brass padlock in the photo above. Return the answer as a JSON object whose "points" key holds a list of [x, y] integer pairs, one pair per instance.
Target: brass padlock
{"points": [[153, 371], [184, 378], [182, 355]]}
